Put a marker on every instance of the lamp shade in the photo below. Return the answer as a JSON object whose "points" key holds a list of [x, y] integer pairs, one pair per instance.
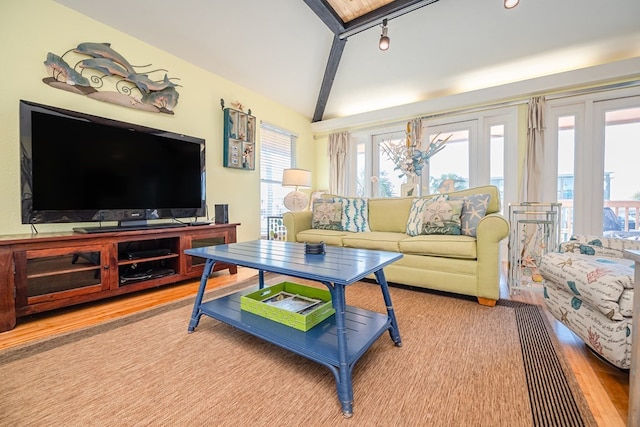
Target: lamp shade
{"points": [[296, 178]]}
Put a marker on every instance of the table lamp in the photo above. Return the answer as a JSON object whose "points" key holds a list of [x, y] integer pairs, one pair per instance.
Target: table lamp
{"points": [[297, 178]]}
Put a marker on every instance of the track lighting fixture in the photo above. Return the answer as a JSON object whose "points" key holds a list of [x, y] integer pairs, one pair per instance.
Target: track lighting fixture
{"points": [[384, 38], [510, 4]]}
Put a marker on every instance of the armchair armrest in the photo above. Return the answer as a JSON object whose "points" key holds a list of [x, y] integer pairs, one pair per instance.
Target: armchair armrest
{"points": [[296, 222], [598, 245]]}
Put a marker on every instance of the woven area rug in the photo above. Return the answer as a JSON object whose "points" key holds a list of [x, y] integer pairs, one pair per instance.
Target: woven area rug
{"points": [[461, 364]]}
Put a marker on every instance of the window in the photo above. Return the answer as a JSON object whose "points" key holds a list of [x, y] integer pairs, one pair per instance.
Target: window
{"points": [[564, 130], [360, 183], [375, 174], [496, 165], [276, 155], [451, 165], [590, 161], [621, 151], [389, 179], [566, 170], [482, 150]]}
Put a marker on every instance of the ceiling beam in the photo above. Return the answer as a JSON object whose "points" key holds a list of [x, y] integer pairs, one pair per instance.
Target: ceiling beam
{"points": [[342, 31], [337, 47], [327, 15], [389, 11]]}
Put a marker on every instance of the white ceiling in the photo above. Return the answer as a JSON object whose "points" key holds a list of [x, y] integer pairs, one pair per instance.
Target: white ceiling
{"points": [[279, 48]]}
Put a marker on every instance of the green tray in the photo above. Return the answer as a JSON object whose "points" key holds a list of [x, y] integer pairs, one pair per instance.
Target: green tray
{"points": [[253, 303]]}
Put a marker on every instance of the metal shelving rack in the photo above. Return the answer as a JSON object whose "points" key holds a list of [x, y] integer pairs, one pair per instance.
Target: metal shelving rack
{"points": [[535, 230]]}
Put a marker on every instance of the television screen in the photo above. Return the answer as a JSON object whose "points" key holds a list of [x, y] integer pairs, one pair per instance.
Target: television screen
{"points": [[77, 167]]}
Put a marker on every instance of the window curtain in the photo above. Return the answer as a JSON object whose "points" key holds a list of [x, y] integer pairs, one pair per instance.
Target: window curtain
{"points": [[338, 145], [532, 184], [416, 131]]}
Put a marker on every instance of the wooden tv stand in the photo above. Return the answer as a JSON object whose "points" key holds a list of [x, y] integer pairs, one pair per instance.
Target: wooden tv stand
{"points": [[45, 271]]}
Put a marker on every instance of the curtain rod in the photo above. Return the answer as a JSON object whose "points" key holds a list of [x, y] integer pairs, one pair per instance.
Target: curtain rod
{"points": [[560, 95], [482, 107], [382, 125], [402, 122], [595, 89]]}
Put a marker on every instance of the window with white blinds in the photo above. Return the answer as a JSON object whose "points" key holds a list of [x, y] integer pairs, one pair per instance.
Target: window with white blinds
{"points": [[276, 155]]}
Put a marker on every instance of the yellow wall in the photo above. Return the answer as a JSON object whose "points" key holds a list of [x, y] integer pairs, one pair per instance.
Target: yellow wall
{"points": [[31, 28]]}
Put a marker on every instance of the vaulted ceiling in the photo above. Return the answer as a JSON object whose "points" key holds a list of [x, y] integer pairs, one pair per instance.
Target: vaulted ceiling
{"points": [[348, 10], [321, 57]]}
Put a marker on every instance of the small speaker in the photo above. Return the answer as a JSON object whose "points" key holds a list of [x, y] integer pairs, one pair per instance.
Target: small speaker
{"points": [[222, 214]]}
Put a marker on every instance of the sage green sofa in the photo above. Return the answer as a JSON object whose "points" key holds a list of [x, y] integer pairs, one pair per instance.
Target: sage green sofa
{"points": [[459, 264]]}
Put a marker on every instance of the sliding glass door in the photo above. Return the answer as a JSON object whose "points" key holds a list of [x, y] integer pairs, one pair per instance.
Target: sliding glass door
{"points": [[591, 162], [617, 126], [482, 150], [449, 170], [565, 127]]}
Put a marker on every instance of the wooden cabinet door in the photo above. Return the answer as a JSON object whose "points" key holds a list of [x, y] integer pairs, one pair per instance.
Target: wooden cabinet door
{"points": [[44, 276]]}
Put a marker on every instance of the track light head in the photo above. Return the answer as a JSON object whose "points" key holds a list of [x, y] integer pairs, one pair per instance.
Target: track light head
{"points": [[384, 38], [510, 4]]}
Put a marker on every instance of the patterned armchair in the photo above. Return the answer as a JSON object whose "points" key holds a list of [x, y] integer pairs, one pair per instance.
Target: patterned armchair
{"points": [[588, 286]]}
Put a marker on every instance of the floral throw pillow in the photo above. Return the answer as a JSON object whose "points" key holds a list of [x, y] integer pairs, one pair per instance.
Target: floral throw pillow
{"points": [[474, 209], [327, 215], [441, 217]]}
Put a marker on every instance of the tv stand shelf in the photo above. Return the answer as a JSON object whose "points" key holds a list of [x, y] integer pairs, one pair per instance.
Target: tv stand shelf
{"points": [[46, 271], [109, 229]]}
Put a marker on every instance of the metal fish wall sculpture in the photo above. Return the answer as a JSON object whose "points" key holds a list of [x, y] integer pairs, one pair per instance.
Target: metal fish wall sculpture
{"points": [[103, 50], [106, 69]]}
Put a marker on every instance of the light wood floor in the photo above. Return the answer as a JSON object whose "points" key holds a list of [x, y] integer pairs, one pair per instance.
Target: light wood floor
{"points": [[605, 387]]}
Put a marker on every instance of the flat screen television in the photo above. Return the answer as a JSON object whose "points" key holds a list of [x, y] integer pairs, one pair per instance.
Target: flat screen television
{"points": [[76, 167]]}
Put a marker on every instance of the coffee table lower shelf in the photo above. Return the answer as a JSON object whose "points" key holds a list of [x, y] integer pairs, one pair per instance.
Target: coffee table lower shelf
{"points": [[319, 344]]}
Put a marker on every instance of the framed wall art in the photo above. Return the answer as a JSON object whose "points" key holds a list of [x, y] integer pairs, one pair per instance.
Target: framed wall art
{"points": [[239, 139], [410, 190]]}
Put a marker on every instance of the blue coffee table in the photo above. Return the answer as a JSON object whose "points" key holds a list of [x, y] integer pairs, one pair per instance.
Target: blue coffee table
{"points": [[339, 341]]}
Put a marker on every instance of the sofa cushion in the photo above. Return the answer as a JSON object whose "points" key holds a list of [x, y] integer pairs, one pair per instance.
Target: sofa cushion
{"points": [[440, 245], [474, 208], [434, 216], [327, 215], [389, 214], [330, 237], [376, 240], [355, 213]]}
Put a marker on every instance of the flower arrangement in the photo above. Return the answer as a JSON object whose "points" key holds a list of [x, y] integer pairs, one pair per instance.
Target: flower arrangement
{"points": [[409, 158]]}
